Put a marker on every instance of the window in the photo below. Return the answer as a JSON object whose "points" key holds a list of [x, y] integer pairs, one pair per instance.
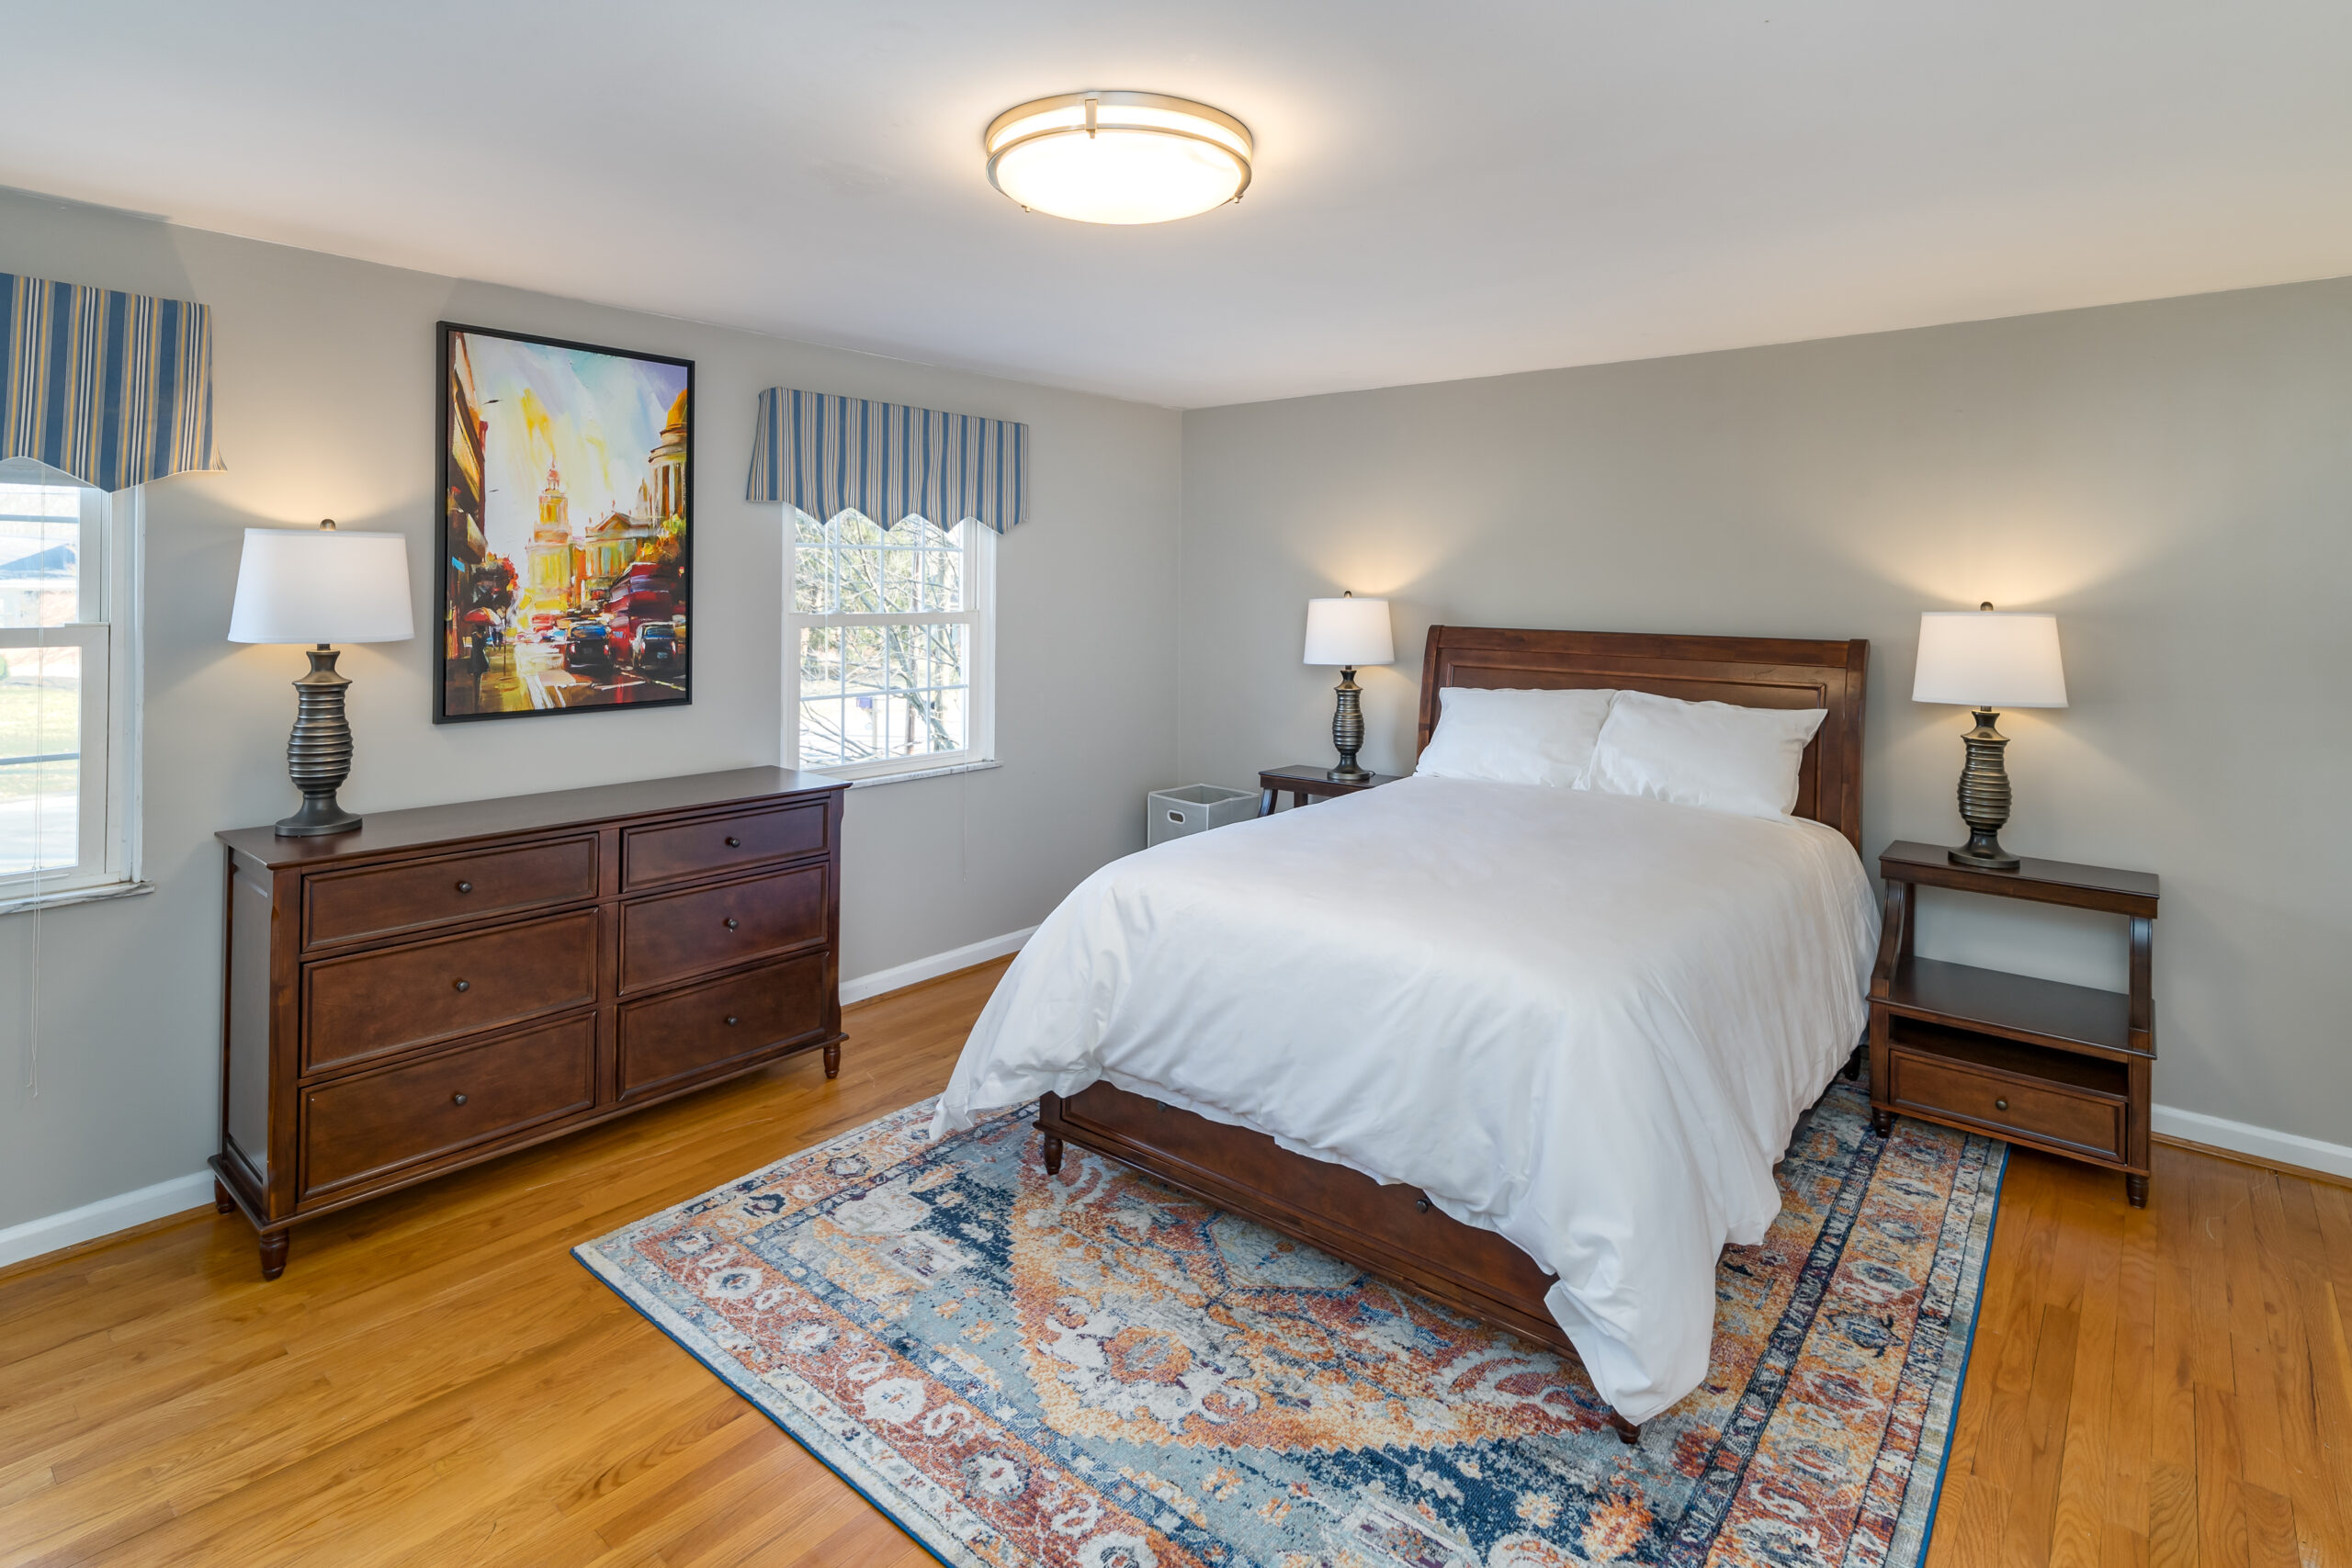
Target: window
{"points": [[893, 646], [67, 684]]}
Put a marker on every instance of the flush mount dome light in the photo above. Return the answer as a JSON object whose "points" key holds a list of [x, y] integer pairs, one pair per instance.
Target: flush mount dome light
{"points": [[1118, 157]]}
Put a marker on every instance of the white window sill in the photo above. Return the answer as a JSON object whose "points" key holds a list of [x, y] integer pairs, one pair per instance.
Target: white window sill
{"points": [[924, 773], [15, 902]]}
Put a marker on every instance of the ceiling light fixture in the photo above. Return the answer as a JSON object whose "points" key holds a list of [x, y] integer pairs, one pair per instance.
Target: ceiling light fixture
{"points": [[1107, 157]]}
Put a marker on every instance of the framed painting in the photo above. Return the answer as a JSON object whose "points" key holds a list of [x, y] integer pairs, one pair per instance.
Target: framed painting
{"points": [[567, 526]]}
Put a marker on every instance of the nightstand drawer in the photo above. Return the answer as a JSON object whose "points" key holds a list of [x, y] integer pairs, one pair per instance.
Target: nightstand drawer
{"points": [[2083, 1121]]}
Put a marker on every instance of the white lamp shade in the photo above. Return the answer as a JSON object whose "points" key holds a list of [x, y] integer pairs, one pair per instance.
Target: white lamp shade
{"points": [[321, 585], [1989, 659], [1350, 632]]}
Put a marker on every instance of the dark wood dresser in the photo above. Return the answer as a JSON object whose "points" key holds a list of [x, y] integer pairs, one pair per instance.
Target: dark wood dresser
{"points": [[447, 985]]}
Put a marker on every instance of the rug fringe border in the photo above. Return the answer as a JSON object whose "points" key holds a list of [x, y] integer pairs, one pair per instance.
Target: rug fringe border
{"points": [[863, 1482], [870, 1487], [1967, 1351]]}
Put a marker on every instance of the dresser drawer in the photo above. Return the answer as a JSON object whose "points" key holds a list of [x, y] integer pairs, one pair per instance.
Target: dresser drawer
{"points": [[367, 1005], [679, 934], [656, 857], [684, 1032], [373, 1123], [343, 906], [2083, 1120]]}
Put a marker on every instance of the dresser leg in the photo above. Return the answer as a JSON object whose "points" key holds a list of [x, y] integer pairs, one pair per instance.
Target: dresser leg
{"points": [[1883, 1122], [833, 1060], [2135, 1188], [220, 1199], [1052, 1154], [273, 1253]]}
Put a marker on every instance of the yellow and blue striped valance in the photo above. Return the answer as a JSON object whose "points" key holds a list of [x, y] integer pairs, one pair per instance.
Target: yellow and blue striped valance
{"points": [[113, 389], [825, 454]]}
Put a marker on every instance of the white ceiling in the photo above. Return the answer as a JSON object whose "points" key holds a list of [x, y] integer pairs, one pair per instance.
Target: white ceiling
{"points": [[1442, 189]]}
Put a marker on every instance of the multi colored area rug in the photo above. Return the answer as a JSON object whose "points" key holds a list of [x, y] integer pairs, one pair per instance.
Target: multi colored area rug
{"points": [[1092, 1371]]}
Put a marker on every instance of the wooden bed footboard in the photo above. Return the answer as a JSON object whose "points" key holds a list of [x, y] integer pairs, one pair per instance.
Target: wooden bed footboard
{"points": [[1392, 1231]]}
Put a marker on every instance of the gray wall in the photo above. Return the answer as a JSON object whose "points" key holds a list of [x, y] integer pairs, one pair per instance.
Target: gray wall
{"points": [[324, 407], [2173, 479]]}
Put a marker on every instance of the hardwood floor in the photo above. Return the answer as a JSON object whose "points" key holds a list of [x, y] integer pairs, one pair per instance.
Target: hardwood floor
{"points": [[2160, 1388], [436, 1382]]}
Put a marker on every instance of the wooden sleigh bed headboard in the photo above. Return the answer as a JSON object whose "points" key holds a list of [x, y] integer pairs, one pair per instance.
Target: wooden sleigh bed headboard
{"points": [[1753, 671]]}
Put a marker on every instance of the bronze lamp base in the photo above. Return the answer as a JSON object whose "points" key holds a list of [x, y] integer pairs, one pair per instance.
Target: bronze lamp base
{"points": [[1347, 731], [1985, 797], [318, 754]]}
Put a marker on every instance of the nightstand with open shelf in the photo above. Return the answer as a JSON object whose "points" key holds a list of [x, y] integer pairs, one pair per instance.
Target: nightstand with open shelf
{"points": [[1304, 782], [2059, 1067]]}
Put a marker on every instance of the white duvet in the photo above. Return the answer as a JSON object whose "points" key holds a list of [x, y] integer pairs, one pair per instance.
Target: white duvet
{"points": [[1586, 1021]]}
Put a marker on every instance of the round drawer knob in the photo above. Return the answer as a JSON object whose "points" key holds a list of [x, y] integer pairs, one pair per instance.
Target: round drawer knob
{"points": [[731, 1021], [457, 1099], [465, 985], [733, 842], [731, 922], [2000, 1105], [1420, 1205], [465, 887]]}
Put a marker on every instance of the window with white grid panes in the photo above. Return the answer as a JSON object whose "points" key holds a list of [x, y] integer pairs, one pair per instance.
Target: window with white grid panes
{"points": [[66, 712], [892, 649]]}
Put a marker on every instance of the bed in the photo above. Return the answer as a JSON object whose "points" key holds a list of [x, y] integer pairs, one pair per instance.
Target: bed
{"points": [[1382, 1025]]}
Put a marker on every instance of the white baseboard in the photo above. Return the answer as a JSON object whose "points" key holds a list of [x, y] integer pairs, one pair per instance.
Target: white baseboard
{"points": [[2255, 1143], [52, 1232], [931, 969], [104, 1217]]}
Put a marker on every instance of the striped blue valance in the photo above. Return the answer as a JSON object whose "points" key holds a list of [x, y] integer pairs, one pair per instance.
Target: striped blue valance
{"points": [[826, 454], [113, 389]]}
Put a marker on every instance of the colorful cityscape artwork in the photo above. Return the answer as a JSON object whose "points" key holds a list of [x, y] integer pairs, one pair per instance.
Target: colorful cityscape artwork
{"points": [[567, 485]]}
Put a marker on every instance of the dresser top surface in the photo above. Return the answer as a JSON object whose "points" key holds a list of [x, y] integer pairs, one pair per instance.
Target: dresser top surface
{"points": [[389, 832]]}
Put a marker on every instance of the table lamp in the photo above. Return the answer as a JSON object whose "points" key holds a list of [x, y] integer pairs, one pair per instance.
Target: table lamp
{"points": [[1349, 632], [320, 586], [1988, 659]]}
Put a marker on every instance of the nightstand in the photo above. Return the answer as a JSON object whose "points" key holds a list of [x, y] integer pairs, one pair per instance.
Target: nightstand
{"points": [[2058, 1068], [1304, 782]]}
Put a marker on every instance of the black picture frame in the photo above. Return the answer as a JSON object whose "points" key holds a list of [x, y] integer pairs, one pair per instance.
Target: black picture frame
{"points": [[460, 657]]}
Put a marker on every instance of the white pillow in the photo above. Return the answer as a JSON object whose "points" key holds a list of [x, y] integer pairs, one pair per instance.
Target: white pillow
{"points": [[1507, 736], [1715, 755]]}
